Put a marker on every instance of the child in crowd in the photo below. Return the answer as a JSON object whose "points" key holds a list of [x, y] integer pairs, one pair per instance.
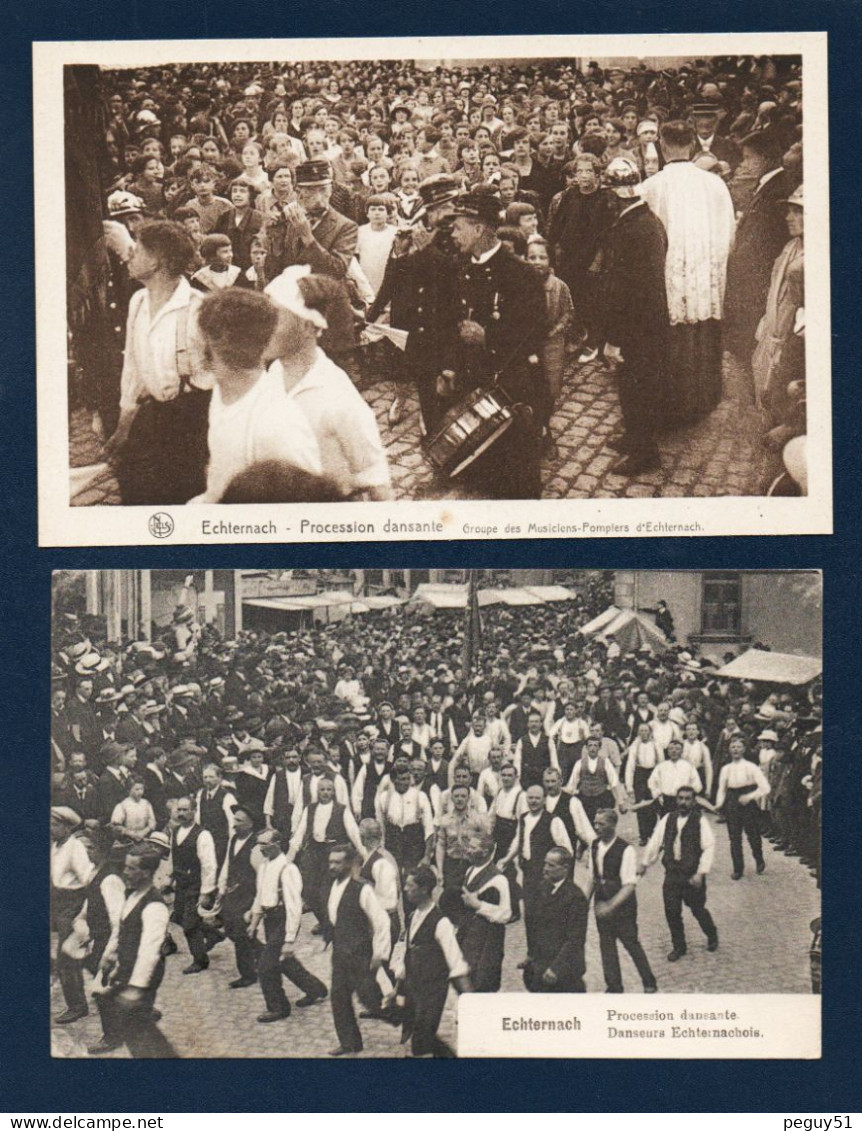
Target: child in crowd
{"points": [[219, 270], [375, 241], [561, 313]]}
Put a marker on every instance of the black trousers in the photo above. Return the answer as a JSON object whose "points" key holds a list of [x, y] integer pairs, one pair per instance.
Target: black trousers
{"points": [[134, 1026], [247, 950], [743, 819], [593, 804], [186, 915], [351, 974], [65, 907], [423, 1009], [636, 386], [678, 892], [271, 966], [622, 927], [164, 460], [647, 818]]}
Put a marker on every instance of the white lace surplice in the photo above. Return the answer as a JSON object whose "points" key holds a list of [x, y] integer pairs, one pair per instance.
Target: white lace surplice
{"points": [[697, 213]]}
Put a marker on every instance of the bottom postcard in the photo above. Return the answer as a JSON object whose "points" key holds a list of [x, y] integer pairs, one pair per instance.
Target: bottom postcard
{"points": [[435, 813]]}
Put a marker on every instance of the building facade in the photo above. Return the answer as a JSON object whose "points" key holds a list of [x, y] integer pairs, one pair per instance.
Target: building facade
{"points": [[730, 610]]}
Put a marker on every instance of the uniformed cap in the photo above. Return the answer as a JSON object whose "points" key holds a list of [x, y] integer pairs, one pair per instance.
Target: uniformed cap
{"points": [[796, 197], [309, 173], [124, 204], [710, 107], [438, 189], [484, 207], [66, 815]]}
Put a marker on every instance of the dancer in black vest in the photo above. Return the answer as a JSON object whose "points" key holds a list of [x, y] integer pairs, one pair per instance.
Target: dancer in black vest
{"points": [[323, 824], [195, 871], [556, 962], [487, 909], [283, 795], [106, 894], [215, 805], [432, 960], [686, 844], [236, 888], [538, 832], [359, 930], [278, 905], [133, 967], [595, 781], [613, 873], [533, 752], [368, 779]]}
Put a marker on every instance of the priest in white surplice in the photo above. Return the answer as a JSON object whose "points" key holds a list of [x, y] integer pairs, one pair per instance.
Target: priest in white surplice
{"points": [[697, 212]]}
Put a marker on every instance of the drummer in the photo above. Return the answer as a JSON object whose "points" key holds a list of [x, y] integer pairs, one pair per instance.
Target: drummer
{"points": [[498, 342]]}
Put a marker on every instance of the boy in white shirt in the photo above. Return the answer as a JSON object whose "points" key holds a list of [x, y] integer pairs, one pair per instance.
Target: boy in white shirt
{"points": [[251, 420], [375, 241]]}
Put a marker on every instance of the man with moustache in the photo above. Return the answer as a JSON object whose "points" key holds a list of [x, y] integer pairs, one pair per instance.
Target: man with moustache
{"points": [[284, 794], [195, 873], [487, 908], [237, 884]]}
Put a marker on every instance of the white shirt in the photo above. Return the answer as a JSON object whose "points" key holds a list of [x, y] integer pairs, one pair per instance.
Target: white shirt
{"points": [[488, 785], [384, 875], [498, 732], [628, 864], [509, 803], [263, 424], [494, 912], [322, 816], [697, 753], [476, 747], [664, 732], [670, 776], [444, 936], [741, 775], [372, 251], [381, 941], [642, 756], [404, 809], [206, 855], [570, 731], [150, 357], [476, 803], [71, 867], [707, 843], [344, 425], [280, 882], [580, 820], [293, 778]]}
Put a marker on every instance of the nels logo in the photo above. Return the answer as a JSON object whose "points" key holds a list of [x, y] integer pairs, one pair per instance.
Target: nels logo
{"points": [[161, 525]]}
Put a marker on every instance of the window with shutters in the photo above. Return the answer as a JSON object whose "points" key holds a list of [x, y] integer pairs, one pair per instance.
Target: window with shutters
{"points": [[721, 605]]}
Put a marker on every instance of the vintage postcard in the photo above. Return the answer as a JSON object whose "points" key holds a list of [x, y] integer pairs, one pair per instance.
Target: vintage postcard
{"points": [[377, 289], [436, 813]]}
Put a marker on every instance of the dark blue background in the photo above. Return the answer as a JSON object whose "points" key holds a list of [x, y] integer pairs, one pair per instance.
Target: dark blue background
{"points": [[29, 1079]]}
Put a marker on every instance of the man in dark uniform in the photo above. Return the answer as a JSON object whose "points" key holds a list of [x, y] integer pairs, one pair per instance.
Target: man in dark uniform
{"points": [[556, 962], [636, 317], [133, 967], [420, 285], [502, 323]]}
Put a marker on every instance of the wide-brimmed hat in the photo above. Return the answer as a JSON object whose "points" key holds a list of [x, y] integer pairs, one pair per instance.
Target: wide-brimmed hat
{"points": [[67, 815]]}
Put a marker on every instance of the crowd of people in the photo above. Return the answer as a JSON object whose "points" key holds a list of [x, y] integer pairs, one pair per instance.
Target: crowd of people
{"points": [[366, 782], [274, 232]]}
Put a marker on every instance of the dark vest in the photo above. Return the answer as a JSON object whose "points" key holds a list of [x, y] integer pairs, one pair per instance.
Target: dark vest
{"points": [[367, 869], [241, 876], [282, 810], [491, 896], [214, 818], [335, 830], [563, 811], [593, 783], [373, 778], [352, 932], [438, 777], [424, 962], [535, 759], [689, 845], [187, 866], [609, 883], [98, 920], [129, 941], [306, 786], [541, 841]]}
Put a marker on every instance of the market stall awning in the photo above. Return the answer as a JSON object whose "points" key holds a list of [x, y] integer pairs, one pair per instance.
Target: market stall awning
{"points": [[383, 601], [595, 626], [552, 592], [438, 595], [773, 667], [631, 629]]}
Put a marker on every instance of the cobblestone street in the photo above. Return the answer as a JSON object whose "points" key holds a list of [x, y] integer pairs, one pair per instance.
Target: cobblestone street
{"points": [[719, 455], [763, 923]]}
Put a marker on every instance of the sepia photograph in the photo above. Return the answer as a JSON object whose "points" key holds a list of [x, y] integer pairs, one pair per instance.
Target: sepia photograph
{"points": [[314, 812], [435, 280]]}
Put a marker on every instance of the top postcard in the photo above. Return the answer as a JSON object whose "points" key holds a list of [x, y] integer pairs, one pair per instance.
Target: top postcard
{"points": [[386, 289]]}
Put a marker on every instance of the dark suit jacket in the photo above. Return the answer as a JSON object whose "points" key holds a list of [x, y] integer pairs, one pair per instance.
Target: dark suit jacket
{"points": [[558, 933], [760, 235], [241, 235], [635, 306], [722, 148], [88, 809], [111, 793]]}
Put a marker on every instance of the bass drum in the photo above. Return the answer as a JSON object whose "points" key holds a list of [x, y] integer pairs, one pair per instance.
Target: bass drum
{"points": [[469, 429]]}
